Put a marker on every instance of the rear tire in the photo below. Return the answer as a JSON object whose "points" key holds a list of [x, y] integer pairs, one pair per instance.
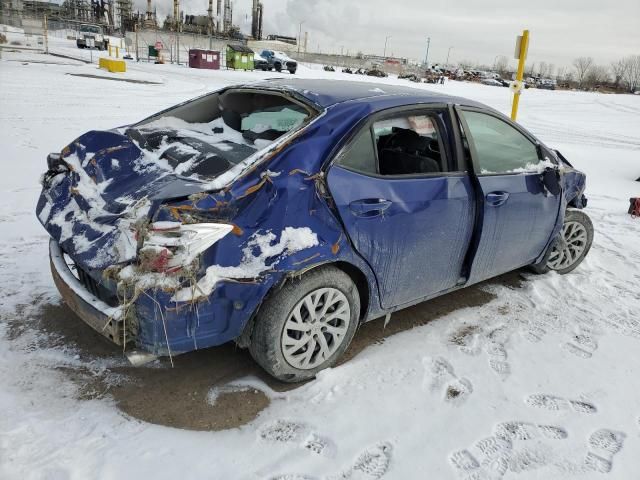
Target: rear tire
{"points": [[307, 325], [570, 246], [278, 67]]}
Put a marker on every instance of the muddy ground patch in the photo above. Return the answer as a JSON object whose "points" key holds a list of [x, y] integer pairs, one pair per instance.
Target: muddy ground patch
{"points": [[178, 397]]}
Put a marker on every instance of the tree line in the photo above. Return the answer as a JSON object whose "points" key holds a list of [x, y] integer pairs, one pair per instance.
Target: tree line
{"points": [[585, 74]]}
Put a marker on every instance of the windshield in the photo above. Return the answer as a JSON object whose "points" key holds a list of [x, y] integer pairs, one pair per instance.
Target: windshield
{"points": [[90, 29], [205, 137]]}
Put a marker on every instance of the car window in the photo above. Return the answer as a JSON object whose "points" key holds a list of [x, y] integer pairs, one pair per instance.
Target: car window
{"points": [[500, 147], [359, 155], [408, 144], [278, 119]]}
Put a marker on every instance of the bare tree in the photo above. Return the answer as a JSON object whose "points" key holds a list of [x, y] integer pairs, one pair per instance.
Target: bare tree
{"points": [[502, 65], [582, 65], [631, 75], [466, 64], [618, 69], [596, 76], [552, 69], [530, 70], [543, 69]]}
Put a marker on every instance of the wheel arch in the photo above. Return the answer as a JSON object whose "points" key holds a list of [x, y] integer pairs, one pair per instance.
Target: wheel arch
{"points": [[355, 274]]}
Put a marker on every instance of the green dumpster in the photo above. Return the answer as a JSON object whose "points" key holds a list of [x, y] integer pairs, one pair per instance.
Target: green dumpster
{"points": [[239, 57]]}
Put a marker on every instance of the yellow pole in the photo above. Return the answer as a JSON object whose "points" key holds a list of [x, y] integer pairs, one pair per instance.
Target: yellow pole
{"points": [[524, 46]]}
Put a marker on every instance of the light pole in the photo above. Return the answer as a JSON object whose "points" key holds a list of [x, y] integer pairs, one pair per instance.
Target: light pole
{"points": [[448, 52], [426, 57], [385, 45], [299, 36]]}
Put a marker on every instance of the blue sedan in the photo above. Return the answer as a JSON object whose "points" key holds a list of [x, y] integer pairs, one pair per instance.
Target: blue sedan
{"points": [[283, 214]]}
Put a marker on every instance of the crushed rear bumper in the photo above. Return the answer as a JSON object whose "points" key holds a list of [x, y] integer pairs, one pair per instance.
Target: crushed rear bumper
{"points": [[163, 327]]}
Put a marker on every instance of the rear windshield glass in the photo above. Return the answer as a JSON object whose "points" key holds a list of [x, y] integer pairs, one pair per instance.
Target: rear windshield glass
{"points": [[206, 137]]}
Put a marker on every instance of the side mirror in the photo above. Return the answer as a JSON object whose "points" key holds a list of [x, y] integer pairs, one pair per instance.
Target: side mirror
{"points": [[551, 180]]}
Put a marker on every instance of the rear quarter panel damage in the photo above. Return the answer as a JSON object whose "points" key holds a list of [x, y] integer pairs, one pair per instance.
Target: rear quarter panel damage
{"points": [[287, 191]]}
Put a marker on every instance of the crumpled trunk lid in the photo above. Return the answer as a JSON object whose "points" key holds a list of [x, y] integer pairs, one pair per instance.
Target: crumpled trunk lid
{"points": [[105, 191]]}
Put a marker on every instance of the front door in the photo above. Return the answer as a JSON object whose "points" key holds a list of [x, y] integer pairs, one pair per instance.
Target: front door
{"points": [[406, 211], [518, 214]]}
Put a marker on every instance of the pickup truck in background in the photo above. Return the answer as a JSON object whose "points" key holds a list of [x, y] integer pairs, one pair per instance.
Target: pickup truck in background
{"points": [[91, 32], [279, 61]]}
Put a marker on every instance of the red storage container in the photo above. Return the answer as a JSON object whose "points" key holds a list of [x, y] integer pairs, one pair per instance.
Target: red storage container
{"points": [[204, 59]]}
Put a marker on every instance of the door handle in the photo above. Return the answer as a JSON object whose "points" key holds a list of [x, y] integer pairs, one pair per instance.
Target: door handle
{"points": [[495, 199], [369, 207]]}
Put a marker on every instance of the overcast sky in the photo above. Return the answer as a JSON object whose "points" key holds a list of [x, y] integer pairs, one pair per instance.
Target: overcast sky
{"points": [[478, 30]]}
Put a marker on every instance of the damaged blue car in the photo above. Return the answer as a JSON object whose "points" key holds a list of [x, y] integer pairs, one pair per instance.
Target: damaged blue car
{"points": [[283, 214]]}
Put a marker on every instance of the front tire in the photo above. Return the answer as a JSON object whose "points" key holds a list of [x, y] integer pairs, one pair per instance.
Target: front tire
{"points": [[307, 325], [570, 247]]}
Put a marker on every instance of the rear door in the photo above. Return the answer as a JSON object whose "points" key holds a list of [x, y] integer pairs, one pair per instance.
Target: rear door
{"points": [[406, 207], [517, 213]]}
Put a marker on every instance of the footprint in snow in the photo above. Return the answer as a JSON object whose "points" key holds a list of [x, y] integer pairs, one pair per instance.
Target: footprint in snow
{"points": [[283, 431], [551, 402], [294, 476], [602, 446], [372, 464], [440, 376], [528, 431], [487, 458], [299, 434], [581, 345]]}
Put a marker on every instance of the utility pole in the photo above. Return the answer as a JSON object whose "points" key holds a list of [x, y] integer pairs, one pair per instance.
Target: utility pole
{"points": [[448, 52], [385, 45], [299, 37], [426, 57], [46, 36]]}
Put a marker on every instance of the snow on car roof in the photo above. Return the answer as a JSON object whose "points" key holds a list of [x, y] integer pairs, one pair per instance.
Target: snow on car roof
{"points": [[330, 92]]}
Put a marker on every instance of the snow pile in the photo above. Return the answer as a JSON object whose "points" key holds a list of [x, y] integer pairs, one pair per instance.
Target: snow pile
{"points": [[255, 261]]}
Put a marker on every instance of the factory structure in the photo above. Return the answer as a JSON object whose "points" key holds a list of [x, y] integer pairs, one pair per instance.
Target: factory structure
{"points": [[119, 16]]}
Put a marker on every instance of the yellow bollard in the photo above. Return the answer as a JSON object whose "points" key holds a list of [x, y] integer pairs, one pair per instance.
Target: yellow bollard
{"points": [[522, 46]]}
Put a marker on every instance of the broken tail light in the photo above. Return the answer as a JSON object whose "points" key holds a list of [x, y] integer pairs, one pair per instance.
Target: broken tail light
{"points": [[170, 246]]}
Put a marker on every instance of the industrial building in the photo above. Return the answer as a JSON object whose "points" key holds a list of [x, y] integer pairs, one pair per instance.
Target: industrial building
{"points": [[118, 16]]}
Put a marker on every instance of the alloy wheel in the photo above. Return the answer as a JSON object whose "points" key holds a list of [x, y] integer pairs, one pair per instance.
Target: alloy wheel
{"points": [[569, 247], [315, 328]]}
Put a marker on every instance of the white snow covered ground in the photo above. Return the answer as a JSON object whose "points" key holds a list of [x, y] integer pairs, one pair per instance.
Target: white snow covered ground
{"points": [[541, 382]]}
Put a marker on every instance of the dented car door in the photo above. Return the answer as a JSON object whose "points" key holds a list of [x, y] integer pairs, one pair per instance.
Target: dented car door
{"points": [[517, 213], [411, 223]]}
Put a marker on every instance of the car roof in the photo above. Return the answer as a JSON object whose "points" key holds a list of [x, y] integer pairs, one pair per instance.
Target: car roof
{"points": [[325, 93]]}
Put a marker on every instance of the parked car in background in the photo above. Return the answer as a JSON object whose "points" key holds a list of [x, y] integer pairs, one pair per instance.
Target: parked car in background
{"points": [[91, 36], [260, 63], [279, 61], [376, 72], [546, 84], [410, 76], [491, 81], [283, 214]]}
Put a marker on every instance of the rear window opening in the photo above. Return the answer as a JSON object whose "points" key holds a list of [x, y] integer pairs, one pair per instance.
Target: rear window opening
{"points": [[205, 137]]}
